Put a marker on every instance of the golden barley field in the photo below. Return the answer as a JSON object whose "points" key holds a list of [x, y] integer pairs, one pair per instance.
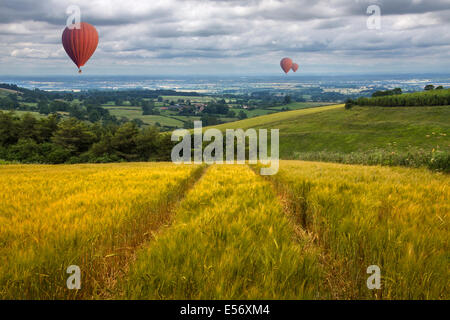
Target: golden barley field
{"points": [[165, 231], [230, 240], [52, 217], [396, 218]]}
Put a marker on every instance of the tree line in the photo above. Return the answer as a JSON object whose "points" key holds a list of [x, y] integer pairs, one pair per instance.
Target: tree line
{"points": [[431, 97], [54, 140], [93, 96]]}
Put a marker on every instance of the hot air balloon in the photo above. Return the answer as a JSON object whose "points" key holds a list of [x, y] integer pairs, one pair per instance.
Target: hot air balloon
{"points": [[80, 44], [286, 64], [294, 67]]}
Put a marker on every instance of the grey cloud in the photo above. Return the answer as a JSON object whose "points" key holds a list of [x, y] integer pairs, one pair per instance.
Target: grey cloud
{"points": [[230, 29]]}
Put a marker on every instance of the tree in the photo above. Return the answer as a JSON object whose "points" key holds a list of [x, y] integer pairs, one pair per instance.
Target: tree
{"points": [[28, 127], [429, 87], [397, 91], [349, 103], [26, 150], [287, 99], [43, 107], [57, 105], [242, 115], [147, 108], [124, 141], [8, 103], [74, 135], [94, 116], [208, 120], [76, 111], [9, 133], [138, 122], [231, 114], [46, 127], [439, 88], [147, 143], [103, 147], [57, 154], [188, 124]]}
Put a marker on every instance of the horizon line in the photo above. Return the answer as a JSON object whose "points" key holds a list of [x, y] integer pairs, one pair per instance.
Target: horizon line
{"points": [[233, 75]]}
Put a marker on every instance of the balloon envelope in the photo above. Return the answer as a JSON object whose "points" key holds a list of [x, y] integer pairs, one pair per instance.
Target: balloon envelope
{"points": [[80, 44], [286, 64], [294, 67]]}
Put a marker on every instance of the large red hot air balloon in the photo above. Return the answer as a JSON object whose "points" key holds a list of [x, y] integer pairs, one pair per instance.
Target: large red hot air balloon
{"points": [[80, 44], [286, 64], [294, 67]]}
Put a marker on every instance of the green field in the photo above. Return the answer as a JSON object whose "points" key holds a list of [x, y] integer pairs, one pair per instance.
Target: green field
{"points": [[136, 113], [199, 99], [5, 92], [332, 129], [267, 121], [272, 110], [300, 105], [21, 113]]}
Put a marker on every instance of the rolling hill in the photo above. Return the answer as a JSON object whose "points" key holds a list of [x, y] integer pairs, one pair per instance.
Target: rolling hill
{"points": [[368, 135]]}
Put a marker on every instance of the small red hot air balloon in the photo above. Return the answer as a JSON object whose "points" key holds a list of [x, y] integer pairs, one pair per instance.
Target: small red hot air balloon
{"points": [[294, 67], [286, 64], [80, 44]]}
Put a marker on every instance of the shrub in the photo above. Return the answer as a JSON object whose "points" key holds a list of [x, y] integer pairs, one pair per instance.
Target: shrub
{"points": [[26, 150], [349, 103], [58, 155], [440, 161]]}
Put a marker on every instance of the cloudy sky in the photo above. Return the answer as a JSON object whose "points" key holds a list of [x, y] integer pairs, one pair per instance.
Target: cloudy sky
{"points": [[180, 37]]}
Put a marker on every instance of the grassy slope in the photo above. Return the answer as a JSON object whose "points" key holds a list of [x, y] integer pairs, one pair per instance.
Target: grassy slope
{"points": [[268, 121], [21, 113], [334, 129], [5, 92], [272, 110]]}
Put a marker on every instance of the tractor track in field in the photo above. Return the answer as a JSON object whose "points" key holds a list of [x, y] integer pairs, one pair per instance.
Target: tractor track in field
{"points": [[295, 206], [113, 267]]}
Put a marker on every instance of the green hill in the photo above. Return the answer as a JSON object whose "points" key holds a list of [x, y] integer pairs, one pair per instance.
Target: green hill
{"points": [[368, 135], [269, 120]]}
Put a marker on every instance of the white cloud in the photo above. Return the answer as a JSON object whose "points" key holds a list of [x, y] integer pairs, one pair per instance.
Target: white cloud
{"points": [[36, 53]]}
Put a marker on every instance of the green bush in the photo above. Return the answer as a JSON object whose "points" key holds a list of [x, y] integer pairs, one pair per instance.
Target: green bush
{"points": [[58, 155], [440, 161], [25, 150], [434, 160]]}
